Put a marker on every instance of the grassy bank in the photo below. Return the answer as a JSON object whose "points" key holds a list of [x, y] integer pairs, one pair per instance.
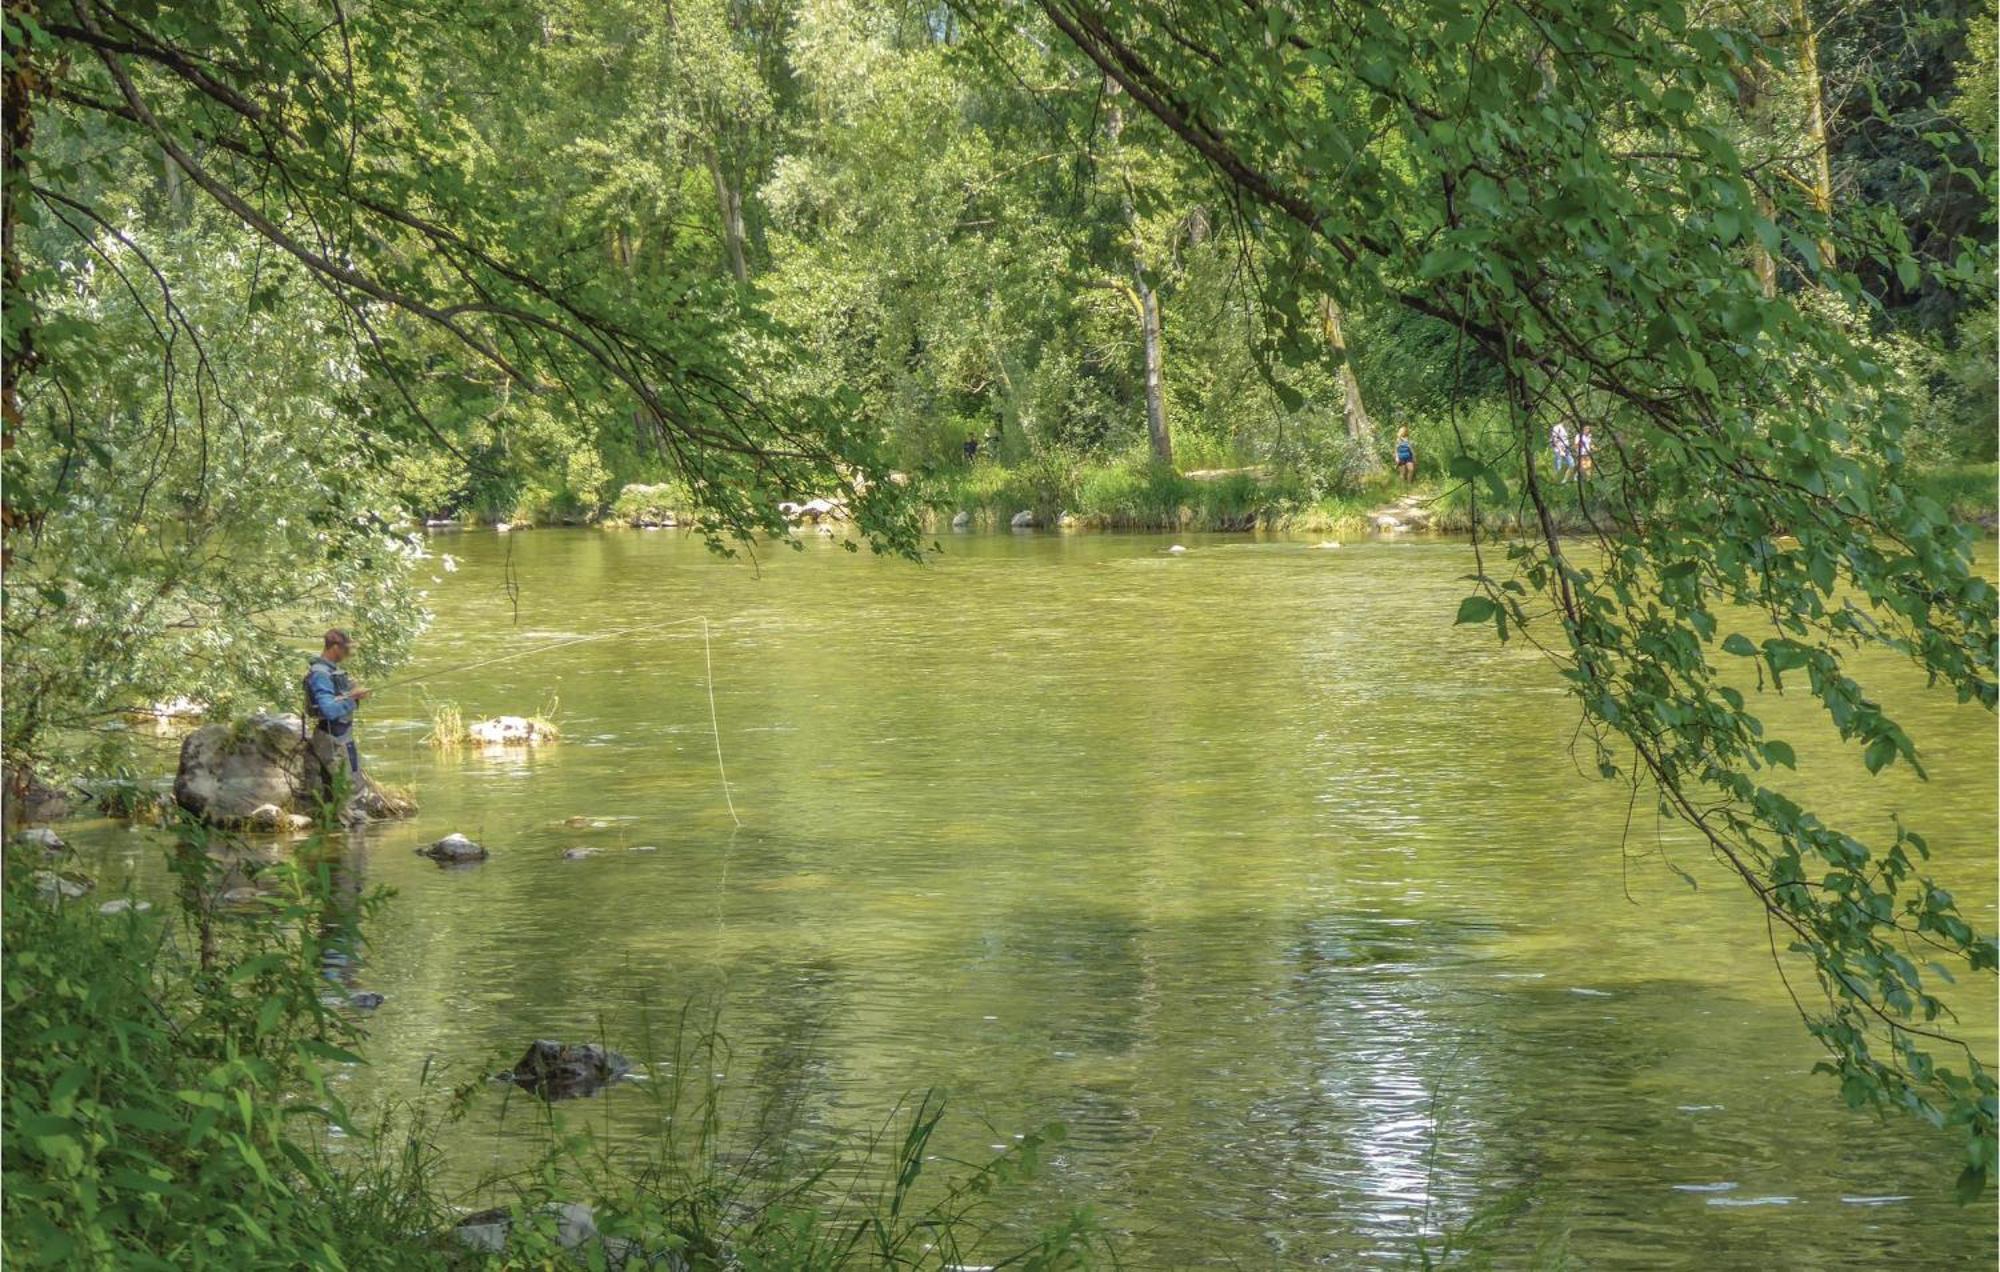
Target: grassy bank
{"points": [[1134, 495]]}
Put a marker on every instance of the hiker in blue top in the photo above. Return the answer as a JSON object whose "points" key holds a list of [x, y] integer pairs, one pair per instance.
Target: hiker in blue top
{"points": [[1406, 456], [333, 762]]}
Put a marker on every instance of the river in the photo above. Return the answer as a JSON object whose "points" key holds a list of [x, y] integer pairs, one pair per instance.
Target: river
{"points": [[1291, 902]]}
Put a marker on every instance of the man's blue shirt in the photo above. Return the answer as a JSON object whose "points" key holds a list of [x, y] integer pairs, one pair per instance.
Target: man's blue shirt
{"points": [[330, 706]]}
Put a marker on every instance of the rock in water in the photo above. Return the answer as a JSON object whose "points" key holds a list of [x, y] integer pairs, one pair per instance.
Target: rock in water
{"points": [[228, 772], [509, 731], [561, 1070], [265, 817], [66, 886], [44, 838], [123, 904], [39, 802], [576, 1229], [578, 854], [453, 849], [377, 802], [1023, 520], [963, 521], [364, 1000], [1177, 550]]}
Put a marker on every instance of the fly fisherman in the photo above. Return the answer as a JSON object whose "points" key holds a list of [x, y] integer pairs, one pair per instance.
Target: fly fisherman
{"points": [[333, 763]]}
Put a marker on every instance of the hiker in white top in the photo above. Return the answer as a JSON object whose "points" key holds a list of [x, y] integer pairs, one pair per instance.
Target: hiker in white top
{"points": [[1559, 443]]}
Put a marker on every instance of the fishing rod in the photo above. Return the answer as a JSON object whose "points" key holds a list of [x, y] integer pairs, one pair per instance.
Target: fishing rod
{"points": [[708, 681], [538, 649]]}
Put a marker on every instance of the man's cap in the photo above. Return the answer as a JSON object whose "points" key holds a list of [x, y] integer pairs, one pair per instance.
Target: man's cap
{"points": [[335, 636]]}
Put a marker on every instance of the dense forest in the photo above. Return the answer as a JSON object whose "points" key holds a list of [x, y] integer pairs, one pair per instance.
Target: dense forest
{"points": [[755, 251], [286, 280]]}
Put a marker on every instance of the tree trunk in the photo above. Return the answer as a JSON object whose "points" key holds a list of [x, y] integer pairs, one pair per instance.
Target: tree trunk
{"points": [[1156, 387], [1147, 302], [17, 97], [1750, 108], [729, 202], [1353, 409], [1822, 158]]}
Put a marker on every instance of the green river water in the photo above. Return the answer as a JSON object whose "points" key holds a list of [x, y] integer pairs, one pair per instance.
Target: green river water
{"points": [[1284, 897]]}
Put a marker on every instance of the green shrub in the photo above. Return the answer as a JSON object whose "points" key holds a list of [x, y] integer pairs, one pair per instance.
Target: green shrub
{"points": [[663, 503], [163, 1081]]}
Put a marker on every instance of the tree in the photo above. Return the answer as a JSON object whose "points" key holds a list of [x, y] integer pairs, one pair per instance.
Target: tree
{"points": [[352, 142], [1352, 410], [1145, 299], [1556, 184]]}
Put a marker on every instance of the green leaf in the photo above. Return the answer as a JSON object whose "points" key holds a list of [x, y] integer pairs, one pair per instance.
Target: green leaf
{"points": [[1881, 750], [1476, 609]]}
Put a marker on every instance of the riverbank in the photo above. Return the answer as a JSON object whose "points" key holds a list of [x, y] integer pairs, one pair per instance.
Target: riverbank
{"points": [[1133, 495], [1136, 496]]}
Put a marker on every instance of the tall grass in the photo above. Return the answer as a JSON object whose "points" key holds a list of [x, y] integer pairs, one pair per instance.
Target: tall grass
{"points": [[447, 727]]}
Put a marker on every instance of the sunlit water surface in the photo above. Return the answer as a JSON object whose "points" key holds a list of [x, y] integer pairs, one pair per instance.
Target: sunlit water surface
{"points": [[1291, 902]]}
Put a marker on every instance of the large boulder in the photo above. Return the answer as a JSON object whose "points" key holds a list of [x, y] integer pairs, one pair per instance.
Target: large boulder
{"points": [[229, 771], [560, 1070], [1024, 520], [29, 799], [251, 775]]}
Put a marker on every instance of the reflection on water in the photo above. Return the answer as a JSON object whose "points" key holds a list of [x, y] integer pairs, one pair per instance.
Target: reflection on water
{"points": [[1283, 895]]}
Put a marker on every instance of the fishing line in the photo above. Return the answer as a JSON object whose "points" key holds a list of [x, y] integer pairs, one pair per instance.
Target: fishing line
{"points": [[708, 679], [708, 683]]}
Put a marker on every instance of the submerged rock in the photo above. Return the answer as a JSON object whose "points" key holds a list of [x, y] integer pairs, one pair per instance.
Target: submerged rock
{"points": [[578, 854], [373, 801], [364, 1000], [265, 817], [576, 1232], [453, 849], [563, 1070]]}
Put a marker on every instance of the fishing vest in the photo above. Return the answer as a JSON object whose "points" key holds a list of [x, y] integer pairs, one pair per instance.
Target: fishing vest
{"points": [[342, 683]]}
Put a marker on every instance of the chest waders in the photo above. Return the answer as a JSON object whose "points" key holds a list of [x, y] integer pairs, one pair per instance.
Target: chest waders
{"points": [[333, 762]]}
